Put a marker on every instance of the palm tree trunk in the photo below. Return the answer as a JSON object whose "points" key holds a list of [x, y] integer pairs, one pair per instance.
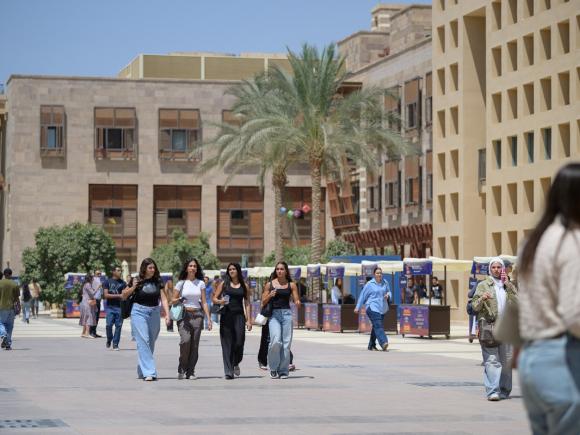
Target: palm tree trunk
{"points": [[316, 179], [279, 221]]}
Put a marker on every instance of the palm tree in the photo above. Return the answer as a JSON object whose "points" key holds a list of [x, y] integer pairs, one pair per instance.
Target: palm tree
{"points": [[330, 130], [261, 139]]}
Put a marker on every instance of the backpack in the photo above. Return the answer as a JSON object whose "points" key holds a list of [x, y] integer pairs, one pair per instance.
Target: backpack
{"points": [[26, 296]]}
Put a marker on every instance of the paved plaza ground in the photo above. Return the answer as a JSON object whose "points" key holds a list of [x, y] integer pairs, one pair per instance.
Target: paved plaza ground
{"points": [[55, 378]]}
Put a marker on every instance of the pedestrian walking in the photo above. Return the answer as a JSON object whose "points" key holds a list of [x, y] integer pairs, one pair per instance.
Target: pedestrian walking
{"points": [[489, 302], [35, 291], [263, 351], [215, 308], [277, 292], [113, 293], [190, 291], [168, 289], [98, 292], [549, 311], [88, 307], [9, 294], [234, 295], [25, 302], [146, 316], [208, 298], [375, 296]]}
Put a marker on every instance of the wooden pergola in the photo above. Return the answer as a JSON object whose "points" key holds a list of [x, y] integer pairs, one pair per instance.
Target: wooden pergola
{"points": [[419, 237]]}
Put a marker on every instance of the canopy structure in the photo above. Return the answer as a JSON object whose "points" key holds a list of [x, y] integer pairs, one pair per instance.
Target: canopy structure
{"points": [[509, 258]]}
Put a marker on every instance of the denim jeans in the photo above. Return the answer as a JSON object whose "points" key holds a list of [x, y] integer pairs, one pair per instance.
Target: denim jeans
{"points": [[114, 319], [145, 323], [26, 308], [550, 382], [34, 302], [7, 325], [497, 373], [280, 326], [378, 330]]}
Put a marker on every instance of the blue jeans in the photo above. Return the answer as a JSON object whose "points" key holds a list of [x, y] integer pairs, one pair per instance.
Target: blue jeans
{"points": [[114, 318], [280, 325], [378, 330], [497, 373], [550, 381], [7, 325], [145, 324], [26, 308]]}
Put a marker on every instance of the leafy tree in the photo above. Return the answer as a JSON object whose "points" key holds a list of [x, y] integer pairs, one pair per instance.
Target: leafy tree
{"points": [[260, 139], [338, 247], [293, 255], [170, 257], [75, 247]]}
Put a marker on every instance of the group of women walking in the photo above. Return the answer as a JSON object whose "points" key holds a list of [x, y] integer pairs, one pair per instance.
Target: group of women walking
{"points": [[233, 297]]}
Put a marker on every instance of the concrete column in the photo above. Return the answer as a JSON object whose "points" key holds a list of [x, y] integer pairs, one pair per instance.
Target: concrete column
{"points": [[269, 219], [144, 221], [210, 214]]}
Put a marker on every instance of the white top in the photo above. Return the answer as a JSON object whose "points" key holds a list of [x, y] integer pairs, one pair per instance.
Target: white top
{"points": [[500, 294], [191, 291], [335, 294], [549, 297]]}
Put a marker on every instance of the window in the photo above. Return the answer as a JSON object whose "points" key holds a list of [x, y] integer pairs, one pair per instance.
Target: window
{"points": [[512, 52], [530, 146], [230, 118], [428, 99], [546, 94], [412, 101], [547, 139], [239, 223], [392, 184], [564, 37], [529, 49], [497, 153], [176, 208], [514, 150], [179, 134], [115, 132], [546, 43], [412, 180], [496, 9], [114, 209], [392, 103], [454, 33], [52, 133], [481, 161], [496, 56]]}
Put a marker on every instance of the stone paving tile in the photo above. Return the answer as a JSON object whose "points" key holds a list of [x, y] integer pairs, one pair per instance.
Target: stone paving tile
{"points": [[420, 386]]}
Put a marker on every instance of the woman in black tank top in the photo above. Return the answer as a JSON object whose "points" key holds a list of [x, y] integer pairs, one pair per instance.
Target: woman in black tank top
{"points": [[233, 295], [278, 292]]}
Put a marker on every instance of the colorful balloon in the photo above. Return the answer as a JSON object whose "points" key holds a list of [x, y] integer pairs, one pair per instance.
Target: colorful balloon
{"points": [[282, 210], [290, 214], [297, 213], [306, 208]]}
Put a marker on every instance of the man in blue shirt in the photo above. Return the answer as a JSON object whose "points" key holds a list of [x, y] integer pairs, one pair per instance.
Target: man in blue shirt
{"points": [[375, 296], [113, 288]]}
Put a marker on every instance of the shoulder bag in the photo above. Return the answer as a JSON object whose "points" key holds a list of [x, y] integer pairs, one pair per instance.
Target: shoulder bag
{"points": [[127, 305], [486, 327], [265, 312], [176, 311]]}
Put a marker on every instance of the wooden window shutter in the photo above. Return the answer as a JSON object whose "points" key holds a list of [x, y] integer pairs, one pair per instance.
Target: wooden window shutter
{"points": [[193, 223], [416, 188], [428, 85], [129, 223], [412, 91], [160, 223], [43, 140], [429, 162], [257, 224], [224, 224], [168, 118], [189, 119], [97, 217]]}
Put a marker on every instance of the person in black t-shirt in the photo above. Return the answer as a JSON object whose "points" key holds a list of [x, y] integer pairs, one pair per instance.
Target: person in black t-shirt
{"points": [[146, 316], [113, 294]]}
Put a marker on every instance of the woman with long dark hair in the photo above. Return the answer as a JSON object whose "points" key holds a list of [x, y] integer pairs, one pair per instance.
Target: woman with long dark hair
{"points": [[190, 291], [88, 307], [146, 316], [549, 306], [234, 295], [375, 296], [278, 291]]}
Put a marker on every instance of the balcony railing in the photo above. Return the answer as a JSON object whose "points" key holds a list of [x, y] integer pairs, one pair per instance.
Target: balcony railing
{"points": [[52, 151], [187, 154], [123, 153]]}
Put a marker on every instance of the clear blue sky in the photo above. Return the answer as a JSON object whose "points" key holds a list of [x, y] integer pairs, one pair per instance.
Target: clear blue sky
{"points": [[99, 37]]}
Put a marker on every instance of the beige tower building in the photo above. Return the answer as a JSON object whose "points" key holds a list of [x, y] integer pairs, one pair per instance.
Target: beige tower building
{"points": [[506, 115]]}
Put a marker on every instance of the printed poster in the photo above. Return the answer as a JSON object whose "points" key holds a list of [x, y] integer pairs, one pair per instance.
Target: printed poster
{"points": [[331, 318], [415, 320]]}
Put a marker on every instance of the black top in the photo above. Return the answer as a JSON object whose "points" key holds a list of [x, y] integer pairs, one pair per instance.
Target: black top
{"points": [[282, 299], [114, 287], [236, 304], [148, 293]]}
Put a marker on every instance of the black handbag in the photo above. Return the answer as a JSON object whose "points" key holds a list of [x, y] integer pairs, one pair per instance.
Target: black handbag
{"points": [[486, 337], [268, 309], [127, 306]]}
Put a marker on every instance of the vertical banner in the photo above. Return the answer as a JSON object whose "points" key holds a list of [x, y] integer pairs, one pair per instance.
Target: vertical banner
{"points": [[333, 272], [368, 269], [313, 271], [364, 324], [472, 282], [478, 268], [245, 274], [415, 320], [294, 310], [418, 267], [295, 273], [331, 318], [166, 276], [310, 316]]}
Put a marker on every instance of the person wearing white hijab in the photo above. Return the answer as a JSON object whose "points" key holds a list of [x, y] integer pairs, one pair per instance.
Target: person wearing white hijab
{"points": [[489, 301]]}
